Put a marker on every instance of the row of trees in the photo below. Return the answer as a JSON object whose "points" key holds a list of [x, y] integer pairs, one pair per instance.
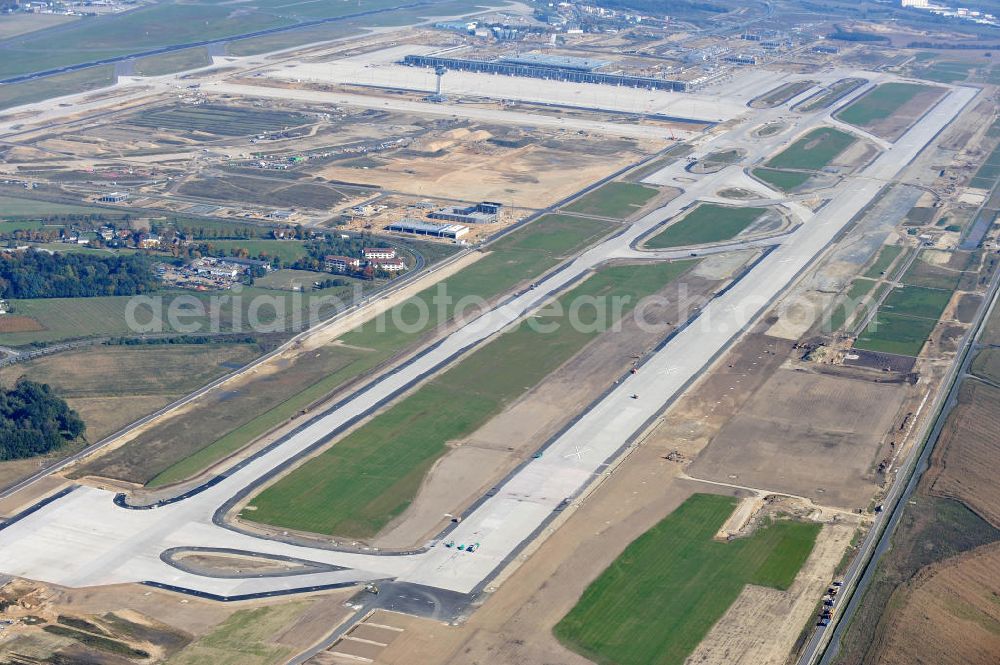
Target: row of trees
{"points": [[34, 420], [35, 274]]}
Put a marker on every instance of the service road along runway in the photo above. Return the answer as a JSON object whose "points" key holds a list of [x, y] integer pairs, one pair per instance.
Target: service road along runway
{"points": [[83, 539]]}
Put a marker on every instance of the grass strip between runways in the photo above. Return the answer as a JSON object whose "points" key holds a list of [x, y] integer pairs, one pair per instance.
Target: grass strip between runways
{"points": [[357, 486], [522, 254], [659, 599]]}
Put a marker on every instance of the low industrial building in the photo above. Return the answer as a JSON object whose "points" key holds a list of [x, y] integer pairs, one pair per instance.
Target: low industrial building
{"points": [[432, 229], [114, 197], [481, 213]]}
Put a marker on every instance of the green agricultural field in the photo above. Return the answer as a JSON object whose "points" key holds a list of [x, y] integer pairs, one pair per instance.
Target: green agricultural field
{"points": [[706, 223], [12, 207], [880, 103], [175, 61], [288, 251], [358, 485], [72, 318], [896, 333], [23, 225], [814, 151], [28, 92], [886, 257], [617, 200], [660, 598], [521, 255], [216, 119], [111, 386], [785, 181], [918, 301]]}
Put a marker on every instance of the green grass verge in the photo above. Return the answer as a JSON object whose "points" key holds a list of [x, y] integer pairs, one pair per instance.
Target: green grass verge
{"points": [[785, 181], [525, 253], [72, 318], [170, 63], [886, 256], [813, 151], [832, 94], [13, 207], [706, 223], [29, 92], [358, 485], [288, 251], [617, 200], [660, 598], [880, 102]]}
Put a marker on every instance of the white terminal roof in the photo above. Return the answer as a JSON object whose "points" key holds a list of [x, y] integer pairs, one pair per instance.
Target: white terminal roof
{"points": [[558, 61]]}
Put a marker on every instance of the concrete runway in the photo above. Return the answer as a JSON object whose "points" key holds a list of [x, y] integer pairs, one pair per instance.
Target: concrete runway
{"points": [[84, 539]]}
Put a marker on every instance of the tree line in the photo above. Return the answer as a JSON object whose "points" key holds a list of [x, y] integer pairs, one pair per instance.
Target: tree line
{"points": [[34, 420], [35, 274]]}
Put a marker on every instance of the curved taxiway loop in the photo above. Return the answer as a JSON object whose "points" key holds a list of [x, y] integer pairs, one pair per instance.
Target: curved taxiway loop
{"points": [[82, 538]]}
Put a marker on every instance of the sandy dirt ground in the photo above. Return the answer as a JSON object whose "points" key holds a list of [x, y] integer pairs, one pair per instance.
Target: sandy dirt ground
{"points": [[951, 615], [172, 616], [477, 462], [39, 489], [828, 457], [468, 168], [761, 627]]}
